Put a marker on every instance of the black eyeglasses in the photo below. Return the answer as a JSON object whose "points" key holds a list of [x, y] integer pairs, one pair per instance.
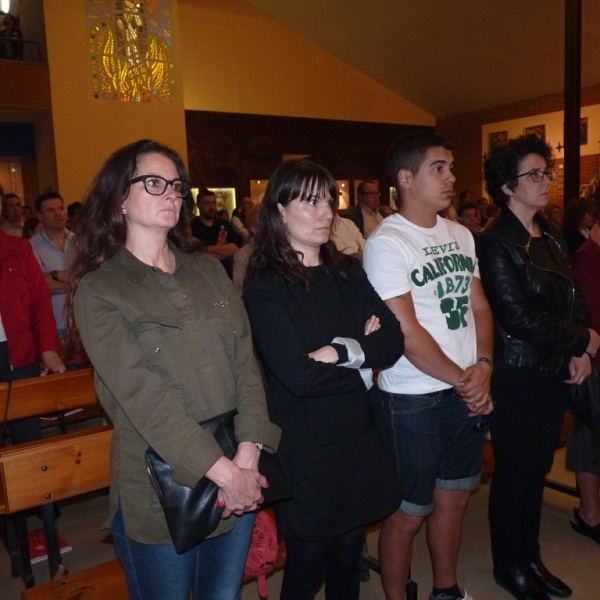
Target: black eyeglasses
{"points": [[538, 175], [157, 185]]}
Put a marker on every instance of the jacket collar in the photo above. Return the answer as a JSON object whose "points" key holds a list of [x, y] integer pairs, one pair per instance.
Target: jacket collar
{"points": [[134, 268], [510, 225], [518, 231]]}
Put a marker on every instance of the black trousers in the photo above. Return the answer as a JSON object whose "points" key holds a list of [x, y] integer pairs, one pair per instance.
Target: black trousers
{"points": [[23, 430], [334, 561], [530, 408]]}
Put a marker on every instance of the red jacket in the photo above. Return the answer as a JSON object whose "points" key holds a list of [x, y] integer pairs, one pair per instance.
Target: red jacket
{"points": [[25, 304], [586, 266]]}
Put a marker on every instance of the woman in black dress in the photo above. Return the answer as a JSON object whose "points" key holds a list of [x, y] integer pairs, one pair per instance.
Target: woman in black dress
{"points": [[320, 329]]}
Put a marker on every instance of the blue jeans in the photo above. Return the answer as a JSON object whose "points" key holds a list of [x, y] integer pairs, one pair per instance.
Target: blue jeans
{"points": [[435, 445], [213, 570]]}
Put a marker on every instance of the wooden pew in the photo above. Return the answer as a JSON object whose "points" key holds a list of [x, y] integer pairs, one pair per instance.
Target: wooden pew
{"points": [[41, 472], [52, 393], [36, 473], [30, 398]]}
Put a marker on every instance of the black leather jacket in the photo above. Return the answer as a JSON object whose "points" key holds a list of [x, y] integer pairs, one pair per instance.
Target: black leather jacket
{"points": [[540, 319]]}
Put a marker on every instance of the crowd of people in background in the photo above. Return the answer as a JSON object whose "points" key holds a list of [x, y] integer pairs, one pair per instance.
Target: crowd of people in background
{"points": [[470, 309]]}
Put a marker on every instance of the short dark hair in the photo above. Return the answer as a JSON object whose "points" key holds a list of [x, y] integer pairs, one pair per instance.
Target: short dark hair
{"points": [[502, 165], [466, 206], [204, 192], [10, 195], [408, 152], [360, 189], [46, 196]]}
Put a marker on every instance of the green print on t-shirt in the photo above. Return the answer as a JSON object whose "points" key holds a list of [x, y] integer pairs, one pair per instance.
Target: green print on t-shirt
{"points": [[455, 310], [452, 305], [439, 267]]}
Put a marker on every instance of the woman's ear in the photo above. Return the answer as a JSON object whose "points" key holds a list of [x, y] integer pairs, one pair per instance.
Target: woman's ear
{"points": [[281, 211], [507, 190]]}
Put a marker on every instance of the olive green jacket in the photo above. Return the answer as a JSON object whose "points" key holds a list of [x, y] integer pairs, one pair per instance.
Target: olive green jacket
{"points": [[169, 351]]}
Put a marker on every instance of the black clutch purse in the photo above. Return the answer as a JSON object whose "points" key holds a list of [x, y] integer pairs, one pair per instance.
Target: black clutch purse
{"points": [[584, 402], [192, 514]]}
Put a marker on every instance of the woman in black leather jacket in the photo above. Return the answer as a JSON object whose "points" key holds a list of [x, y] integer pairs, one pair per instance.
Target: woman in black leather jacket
{"points": [[542, 344]]}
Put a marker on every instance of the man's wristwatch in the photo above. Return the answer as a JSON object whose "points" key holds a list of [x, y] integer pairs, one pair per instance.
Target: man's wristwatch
{"points": [[54, 275]]}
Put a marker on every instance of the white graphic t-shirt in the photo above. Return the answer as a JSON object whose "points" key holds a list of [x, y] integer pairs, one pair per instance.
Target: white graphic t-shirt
{"points": [[436, 265]]}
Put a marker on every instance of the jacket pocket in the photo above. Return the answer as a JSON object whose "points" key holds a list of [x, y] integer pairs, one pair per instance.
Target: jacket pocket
{"points": [[160, 340], [221, 322]]}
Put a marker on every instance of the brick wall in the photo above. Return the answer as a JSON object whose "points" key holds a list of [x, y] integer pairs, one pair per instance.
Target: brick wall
{"points": [[464, 133], [588, 166]]}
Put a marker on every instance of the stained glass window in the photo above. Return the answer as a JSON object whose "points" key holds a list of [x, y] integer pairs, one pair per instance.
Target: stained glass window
{"points": [[131, 50]]}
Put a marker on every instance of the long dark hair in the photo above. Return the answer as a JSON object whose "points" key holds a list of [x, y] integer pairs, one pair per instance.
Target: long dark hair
{"points": [[294, 179], [101, 226]]}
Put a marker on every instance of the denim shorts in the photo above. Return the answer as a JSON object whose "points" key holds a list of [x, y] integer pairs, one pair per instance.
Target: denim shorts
{"points": [[434, 445]]}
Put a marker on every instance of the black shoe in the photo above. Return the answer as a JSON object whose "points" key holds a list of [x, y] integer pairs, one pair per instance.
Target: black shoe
{"points": [[551, 584], [520, 584], [580, 526]]}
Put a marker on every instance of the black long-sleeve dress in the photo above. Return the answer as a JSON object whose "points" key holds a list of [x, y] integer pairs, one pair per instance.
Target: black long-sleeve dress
{"points": [[331, 447]]}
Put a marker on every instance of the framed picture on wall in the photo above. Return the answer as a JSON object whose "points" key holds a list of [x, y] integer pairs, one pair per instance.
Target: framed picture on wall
{"points": [[539, 130], [499, 138], [583, 131]]}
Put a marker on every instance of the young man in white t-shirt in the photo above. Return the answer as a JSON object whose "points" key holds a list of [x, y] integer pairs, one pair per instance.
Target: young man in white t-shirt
{"points": [[435, 396]]}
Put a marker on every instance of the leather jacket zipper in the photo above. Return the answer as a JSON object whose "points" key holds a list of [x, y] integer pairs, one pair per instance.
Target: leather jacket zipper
{"points": [[571, 284]]}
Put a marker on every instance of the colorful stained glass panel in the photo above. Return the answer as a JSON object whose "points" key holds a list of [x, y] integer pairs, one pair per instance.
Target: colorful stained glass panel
{"points": [[131, 52]]}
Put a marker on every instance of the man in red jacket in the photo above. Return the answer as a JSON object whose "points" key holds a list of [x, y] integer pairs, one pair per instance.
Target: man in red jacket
{"points": [[27, 326], [27, 336]]}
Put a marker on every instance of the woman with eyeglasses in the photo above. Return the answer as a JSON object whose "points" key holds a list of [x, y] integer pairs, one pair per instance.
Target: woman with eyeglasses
{"points": [[171, 347], [542, 345]]}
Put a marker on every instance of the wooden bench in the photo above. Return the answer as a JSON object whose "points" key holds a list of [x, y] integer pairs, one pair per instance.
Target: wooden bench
{"points": [[38, 473], [96, 583], [32, 398], [53, 393], [41, 472]]}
